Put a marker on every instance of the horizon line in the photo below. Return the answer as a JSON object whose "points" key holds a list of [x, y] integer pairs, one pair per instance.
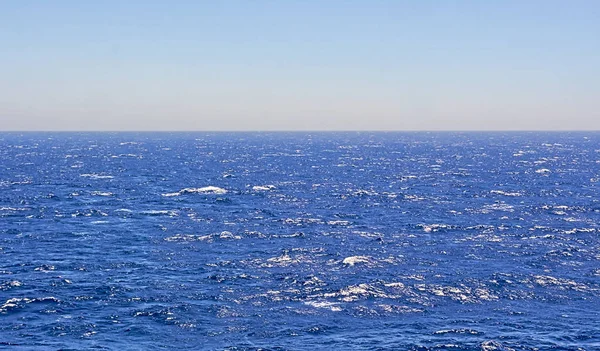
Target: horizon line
{"points": [[317, 131]]}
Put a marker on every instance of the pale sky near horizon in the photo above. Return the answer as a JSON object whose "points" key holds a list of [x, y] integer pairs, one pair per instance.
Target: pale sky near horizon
{"points": [[299, 65]]}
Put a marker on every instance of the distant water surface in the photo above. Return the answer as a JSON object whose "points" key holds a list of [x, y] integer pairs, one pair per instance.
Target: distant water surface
{"points": [[300, 241]]}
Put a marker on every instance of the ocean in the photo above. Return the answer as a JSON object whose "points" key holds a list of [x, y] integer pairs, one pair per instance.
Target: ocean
{"points": [[300, 241]]}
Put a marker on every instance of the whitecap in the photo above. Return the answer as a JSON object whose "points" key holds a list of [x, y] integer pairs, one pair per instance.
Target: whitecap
{"points": [[263, 187], [204, 190], [457, 331], [225, 235], [283, 259], [506, 193], [352, 260], [228, 235], [362, 192], [186, 237], [101, 193], [99, 222], [355, 292], [10, 284], [14, 302], [546, 280], [20, 301], [45, 268], [462, 294], [492, 345], [313, 281], [14, 209], [413, 197], [171, 194], [171, 213], [301, 221], [96, 176], [428, 228], [497, 207], [338, 222], [365, 234], [333, 306], [398, 309]]}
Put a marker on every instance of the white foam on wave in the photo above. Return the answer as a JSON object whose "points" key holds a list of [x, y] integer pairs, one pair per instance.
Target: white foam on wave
{"points": [[171, 194], [356, 292], [263, 187], [504, 207], [14, 302], [14, 209], [506, 193], [428, 228], [579, 230], [366, 234], [387, 308], [543, 171], [17, 302], [101, 193], [45, 268], [225, 235], [332, 306], [204, 190], [410, 197], [99, 222], [283, 260], [493, 345], [562, 283], [96, 176], [408, 177], [127, 155], [460, 293], [187, 237], [338, 222], [300, 256], [10, 284], [171, 213], [228, 235], [353, 260], [364, 192], [301, 221], [457, 331], [394, 285]]}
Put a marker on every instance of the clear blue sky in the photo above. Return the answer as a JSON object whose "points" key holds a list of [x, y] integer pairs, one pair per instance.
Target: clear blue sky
{"points": [[299, 65]]}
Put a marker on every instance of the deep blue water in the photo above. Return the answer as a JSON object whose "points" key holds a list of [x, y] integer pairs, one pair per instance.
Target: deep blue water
{"points": [[297, 241]]}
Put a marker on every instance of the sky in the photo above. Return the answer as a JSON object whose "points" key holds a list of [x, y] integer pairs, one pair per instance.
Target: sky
{"points": [[299, 65]]}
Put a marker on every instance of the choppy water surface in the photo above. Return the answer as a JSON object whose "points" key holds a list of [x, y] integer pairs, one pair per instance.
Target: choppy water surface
{"points": [[290, 241]]}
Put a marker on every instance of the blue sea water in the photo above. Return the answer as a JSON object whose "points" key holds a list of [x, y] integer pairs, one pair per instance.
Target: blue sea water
{"points": [[300, 241]]}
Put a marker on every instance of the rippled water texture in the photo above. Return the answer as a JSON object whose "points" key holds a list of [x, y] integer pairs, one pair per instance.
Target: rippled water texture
{"points": [[291, 241]]}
